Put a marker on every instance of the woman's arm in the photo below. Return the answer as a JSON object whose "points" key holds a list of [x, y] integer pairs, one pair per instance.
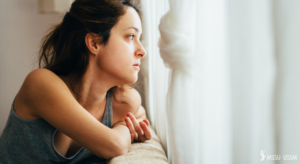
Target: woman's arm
{"points": [[49, 98], [124, 134], [129, 105]]}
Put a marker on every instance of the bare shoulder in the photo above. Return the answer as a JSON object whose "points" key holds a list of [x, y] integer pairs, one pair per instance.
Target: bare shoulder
{"points": [[127, 99], [40, 80], [41, 76], [124, 101], [36, 85]]}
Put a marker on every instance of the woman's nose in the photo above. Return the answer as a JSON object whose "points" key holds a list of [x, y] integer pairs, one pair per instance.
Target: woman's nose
{"points": [[141, 52]]}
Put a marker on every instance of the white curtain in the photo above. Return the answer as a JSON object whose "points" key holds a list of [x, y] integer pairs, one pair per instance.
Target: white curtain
{"points": [[230, 88], [153, 69], [287, 92], [176, 44]]}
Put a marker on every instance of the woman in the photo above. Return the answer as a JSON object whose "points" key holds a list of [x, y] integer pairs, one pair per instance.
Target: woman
{"points": [[63, 112]]}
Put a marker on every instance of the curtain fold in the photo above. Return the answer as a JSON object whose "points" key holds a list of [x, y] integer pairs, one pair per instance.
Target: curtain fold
{"points": [[177, 51], [226, 84], [287, 104], [153, 68], [146, 68], [253, 74]]}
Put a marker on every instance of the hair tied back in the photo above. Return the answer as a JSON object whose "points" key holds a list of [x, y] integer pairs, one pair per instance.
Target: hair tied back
{"points": [[68, 17]]}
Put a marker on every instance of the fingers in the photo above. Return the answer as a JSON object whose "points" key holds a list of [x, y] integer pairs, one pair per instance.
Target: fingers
{"points": [[136, 125], [146, 130], [140, 130], [131, 128], [132, 137], [146, 121]]}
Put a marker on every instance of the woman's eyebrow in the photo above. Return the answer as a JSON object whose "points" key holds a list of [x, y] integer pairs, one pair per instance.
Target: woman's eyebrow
{"points": [[136, 29]]}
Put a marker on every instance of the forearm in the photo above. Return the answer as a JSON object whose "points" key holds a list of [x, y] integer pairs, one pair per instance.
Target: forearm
{"points": [[123, 133], [118, 141]]}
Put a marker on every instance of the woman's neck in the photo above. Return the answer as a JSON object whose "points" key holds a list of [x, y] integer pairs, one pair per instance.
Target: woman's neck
{"points": [[89, 92]]}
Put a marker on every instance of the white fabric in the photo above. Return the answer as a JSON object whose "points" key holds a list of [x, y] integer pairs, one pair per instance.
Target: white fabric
{"points": [[287, 92], [146, 72], [252, 68], [177, 50], [153, 68], [243, 96], [176, 46]]}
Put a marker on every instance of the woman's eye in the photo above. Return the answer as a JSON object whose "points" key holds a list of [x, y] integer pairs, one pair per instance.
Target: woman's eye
{"points": [[131, 36]]}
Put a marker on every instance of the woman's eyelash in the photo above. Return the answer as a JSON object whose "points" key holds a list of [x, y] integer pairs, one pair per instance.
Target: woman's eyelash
{"points": [[131, 36]]}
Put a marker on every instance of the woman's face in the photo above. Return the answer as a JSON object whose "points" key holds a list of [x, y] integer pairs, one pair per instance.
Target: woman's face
{"points": [[117, 59]]}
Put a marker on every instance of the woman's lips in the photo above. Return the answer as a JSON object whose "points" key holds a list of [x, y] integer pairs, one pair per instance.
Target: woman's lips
{"points": [[136, 67]]}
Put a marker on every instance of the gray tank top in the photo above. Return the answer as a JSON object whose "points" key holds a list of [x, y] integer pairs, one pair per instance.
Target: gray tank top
{"points": [[31, 141]]}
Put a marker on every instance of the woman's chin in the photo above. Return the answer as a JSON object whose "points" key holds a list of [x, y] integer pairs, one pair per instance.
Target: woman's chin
{"points": [[132, 80], [129, 80]]}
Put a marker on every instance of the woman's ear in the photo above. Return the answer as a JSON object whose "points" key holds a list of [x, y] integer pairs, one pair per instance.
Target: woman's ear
{"points": [[91, 41]]}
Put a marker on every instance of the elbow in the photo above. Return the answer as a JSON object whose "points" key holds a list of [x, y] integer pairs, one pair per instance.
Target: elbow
{"points": [[120, 151], [118, 148], [122, 147]]}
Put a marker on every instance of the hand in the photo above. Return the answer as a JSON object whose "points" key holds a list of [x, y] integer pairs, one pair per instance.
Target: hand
{"points": [[139, 131]]}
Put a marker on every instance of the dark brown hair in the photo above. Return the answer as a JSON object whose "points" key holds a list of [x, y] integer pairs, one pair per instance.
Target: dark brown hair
{"points": [[64, 51]]}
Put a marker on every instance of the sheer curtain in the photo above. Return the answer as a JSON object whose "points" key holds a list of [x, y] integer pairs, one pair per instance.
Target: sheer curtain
{"points": [[226, 87], [153, 69]]}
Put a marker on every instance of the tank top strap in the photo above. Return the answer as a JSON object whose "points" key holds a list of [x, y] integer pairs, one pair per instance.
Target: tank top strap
{"points": [[107, 118]]}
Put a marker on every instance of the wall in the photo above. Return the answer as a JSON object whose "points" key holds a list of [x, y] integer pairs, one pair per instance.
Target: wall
{"points": [[21, 30]]}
